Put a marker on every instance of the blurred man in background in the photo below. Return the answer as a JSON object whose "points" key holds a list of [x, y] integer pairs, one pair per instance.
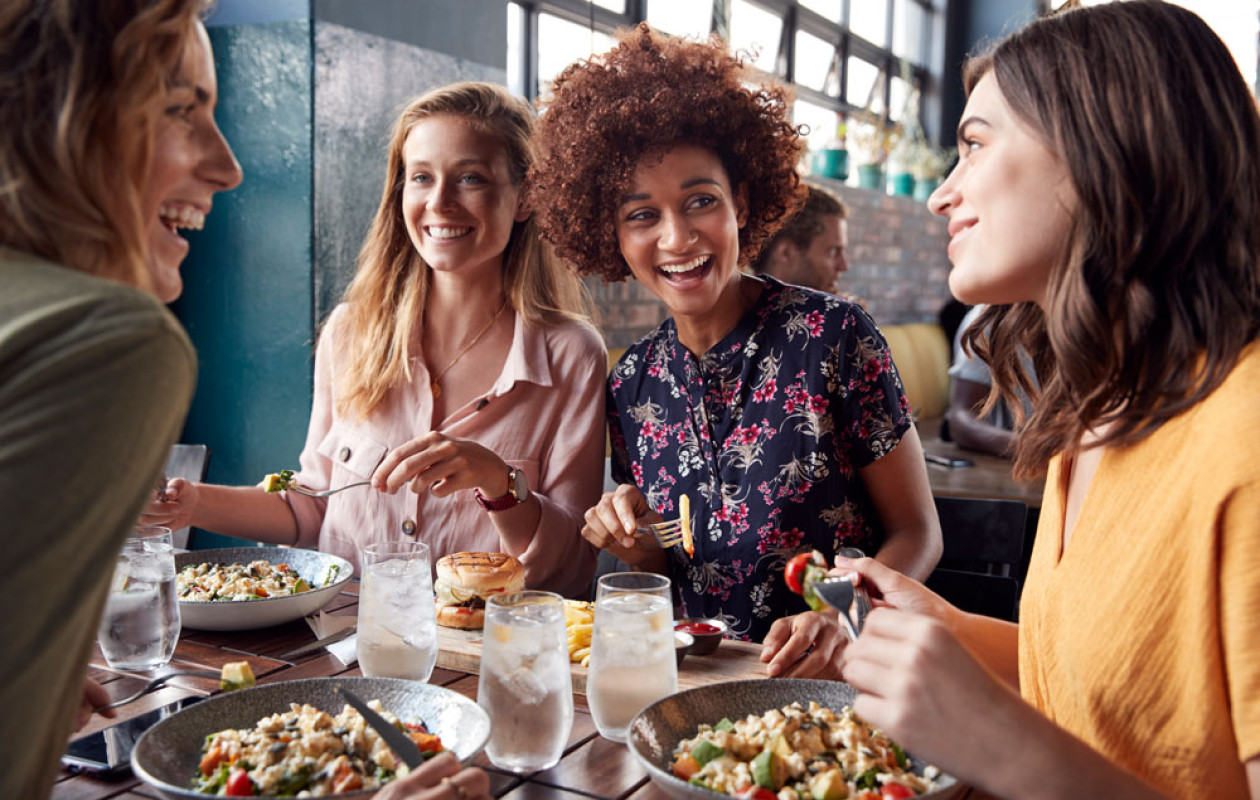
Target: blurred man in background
{"points": [[809, 249]]}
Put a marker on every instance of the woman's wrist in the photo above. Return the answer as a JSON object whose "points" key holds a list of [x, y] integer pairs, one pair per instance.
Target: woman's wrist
{"points": [[496, 483]]}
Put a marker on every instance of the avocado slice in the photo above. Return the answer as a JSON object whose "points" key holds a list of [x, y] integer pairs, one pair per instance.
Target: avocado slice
{"points": [[770, 768], [236, 675], [706, 751], [829, 785]]}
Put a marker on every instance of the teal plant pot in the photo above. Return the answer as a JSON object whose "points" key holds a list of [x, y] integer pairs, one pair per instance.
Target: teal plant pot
{"points": [[871, 176], [923, 188], [831, 163], [901, 184]]}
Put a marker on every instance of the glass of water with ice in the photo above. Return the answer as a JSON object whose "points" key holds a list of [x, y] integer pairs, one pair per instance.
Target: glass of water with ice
{"points": [[397, 635], [632, 649], [140, 626], [525, 685]]}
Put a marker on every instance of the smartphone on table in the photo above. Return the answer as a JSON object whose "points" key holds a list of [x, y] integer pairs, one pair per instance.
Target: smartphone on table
{"points": [[107, 752]]}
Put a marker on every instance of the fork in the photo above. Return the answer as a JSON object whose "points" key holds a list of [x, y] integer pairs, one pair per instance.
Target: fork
{"points": [[851, 601], [159, 682], [293, 487], [668, 533]]}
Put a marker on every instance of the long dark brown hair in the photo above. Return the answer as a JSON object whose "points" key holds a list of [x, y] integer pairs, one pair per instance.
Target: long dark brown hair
{"points": [[1157, 292]]}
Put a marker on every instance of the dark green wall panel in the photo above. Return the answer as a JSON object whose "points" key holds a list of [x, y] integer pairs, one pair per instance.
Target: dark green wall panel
{"points": [[247, 296]]}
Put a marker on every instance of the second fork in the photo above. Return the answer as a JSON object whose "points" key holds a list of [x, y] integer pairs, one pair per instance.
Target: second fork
{"points": [[293, 487], [667, 534]]}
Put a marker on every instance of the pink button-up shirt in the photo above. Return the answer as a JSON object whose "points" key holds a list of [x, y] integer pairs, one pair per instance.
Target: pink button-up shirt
{"points": [[544, 414]]}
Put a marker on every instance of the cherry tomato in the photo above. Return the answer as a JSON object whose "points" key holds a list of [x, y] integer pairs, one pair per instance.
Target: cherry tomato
{"points": [[794, 573], [238, 784], [895, 791], [759, 793]]}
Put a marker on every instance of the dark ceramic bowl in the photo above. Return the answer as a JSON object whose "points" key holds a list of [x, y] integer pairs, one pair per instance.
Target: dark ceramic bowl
{"points": [[325, 573], [166, 756], [706, 643], [658, 729], [683, 644]]}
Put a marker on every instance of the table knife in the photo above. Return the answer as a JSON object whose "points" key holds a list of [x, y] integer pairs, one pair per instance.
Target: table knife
{"points": [[318, 643], [398, 741]]}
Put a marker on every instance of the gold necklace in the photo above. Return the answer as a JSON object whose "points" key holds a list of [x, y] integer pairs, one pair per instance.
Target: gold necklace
{"points": [[433, 384]]}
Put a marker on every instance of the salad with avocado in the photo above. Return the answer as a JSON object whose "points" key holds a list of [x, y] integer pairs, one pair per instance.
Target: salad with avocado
{"points": [[800, 753]]}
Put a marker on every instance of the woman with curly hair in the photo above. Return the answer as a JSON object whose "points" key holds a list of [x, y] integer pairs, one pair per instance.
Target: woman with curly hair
{"points": [[1106, 203], [775, 409], [459, 376]]}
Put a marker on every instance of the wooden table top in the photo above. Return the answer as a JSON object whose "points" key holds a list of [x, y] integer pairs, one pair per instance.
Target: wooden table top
{"points": [[989, 476], [592, 767]]}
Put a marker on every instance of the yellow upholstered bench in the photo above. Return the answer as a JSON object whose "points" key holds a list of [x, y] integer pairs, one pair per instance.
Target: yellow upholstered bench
{"points": [[922, 356]]}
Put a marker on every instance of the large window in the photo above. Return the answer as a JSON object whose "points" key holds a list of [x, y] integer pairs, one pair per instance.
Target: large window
{"points": [[842, 56]]}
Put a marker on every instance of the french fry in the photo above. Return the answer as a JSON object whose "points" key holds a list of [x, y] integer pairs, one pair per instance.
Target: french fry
{"points": [[579, 618]]}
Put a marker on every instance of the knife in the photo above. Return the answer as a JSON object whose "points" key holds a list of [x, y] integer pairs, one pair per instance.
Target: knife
{"points": [[318, 643], [398, 741]]}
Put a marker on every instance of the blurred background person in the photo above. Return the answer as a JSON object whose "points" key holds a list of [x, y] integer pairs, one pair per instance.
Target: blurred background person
{"points": [[969, 425], [809, 250]]}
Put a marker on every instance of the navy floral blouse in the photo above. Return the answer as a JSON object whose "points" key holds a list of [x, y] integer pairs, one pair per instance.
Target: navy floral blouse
{"points": [[765, 434]]}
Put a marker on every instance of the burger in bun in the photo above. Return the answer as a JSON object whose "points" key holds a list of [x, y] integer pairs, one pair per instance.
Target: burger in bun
{"points": [[465, 580]]}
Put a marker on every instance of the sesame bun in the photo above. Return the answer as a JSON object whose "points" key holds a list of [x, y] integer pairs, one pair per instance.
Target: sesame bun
{"points": [[471, 619], [465, 580]]}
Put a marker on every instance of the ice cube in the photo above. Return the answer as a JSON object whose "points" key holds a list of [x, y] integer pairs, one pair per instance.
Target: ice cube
{"points": [[525, 686]]}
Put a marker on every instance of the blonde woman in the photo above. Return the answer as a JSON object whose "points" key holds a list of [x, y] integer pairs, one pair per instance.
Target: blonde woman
{"points": [[459, 376], [107, 145]]}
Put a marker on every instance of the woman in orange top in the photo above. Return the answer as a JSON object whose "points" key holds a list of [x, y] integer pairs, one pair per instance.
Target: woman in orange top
{"points": [[1106, 203]]}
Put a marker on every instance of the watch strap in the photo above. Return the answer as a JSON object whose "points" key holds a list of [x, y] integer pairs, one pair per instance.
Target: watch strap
{"points": [[508, 500]]}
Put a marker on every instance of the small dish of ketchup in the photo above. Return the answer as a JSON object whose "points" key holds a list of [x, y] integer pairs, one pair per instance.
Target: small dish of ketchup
{"points": [[707, 633]]}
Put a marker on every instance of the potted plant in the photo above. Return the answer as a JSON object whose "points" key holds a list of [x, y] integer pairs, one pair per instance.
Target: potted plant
{"points": [[928, 165], [871, 140], [832, 161]]}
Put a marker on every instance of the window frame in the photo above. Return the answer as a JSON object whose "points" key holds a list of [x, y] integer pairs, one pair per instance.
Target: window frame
{"points": [[796, 17]]}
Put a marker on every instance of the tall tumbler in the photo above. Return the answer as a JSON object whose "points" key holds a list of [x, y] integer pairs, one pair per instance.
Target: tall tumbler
{"points": [[525, 685], [140, 625], [632, 649], [397, 635]]}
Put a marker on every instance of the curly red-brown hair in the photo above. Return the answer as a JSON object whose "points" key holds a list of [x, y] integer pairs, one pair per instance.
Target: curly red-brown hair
{"points": [[648, 94]]}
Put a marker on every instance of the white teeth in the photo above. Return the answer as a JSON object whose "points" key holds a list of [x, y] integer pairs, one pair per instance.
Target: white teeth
{"points": [[447, 233], [686, 267], [182, 217]]}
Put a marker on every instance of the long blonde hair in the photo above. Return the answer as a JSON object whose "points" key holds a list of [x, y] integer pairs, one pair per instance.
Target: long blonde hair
{"points": [[386, 297], [83, 84]]}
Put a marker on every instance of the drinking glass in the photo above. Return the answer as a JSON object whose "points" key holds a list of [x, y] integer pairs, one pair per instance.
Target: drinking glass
{"points": [[397, 635], [525, 685], [632, 649], [140, 625]]}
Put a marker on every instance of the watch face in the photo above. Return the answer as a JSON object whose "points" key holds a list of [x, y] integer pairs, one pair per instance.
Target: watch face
{"points": [[519, 488]]}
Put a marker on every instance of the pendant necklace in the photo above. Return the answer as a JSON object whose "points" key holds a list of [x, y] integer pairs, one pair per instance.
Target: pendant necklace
{"points": [[433, 384]]}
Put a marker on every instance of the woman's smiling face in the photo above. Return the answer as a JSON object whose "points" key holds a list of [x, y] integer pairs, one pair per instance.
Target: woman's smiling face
{"points": [[678, 228], [191, 162], [1009, 202]]}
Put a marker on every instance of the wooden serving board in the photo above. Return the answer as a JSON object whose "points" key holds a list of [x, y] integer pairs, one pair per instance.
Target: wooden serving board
{"points": [[733, 661]]}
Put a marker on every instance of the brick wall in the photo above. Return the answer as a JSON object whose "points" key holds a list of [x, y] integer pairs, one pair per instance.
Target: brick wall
{"points": [[897, 265]]}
